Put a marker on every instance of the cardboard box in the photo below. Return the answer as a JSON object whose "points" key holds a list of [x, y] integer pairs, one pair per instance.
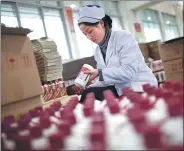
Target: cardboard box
{"points": [[172, 49], [153, 44], [20, 77], [144, 50], [20, 107], [154, 53], [174, 69]]}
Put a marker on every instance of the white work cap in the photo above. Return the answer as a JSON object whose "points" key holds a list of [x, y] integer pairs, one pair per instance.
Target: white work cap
{"points": [[91, 14]]}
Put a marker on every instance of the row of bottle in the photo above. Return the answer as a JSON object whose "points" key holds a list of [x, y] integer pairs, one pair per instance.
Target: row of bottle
{"points": [[143, 118], [160, 76], [54, 89], [156, 65]]}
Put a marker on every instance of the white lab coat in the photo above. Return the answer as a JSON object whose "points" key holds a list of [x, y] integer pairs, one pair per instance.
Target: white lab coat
{"points": [[124, 65]]}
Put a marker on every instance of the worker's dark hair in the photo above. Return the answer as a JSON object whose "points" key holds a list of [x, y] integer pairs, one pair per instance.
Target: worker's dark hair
{"points": [[107, 22]]}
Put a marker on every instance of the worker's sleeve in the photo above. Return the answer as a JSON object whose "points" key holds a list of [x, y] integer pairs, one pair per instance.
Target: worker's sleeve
{"points": [[127, 52], [100, 74]]}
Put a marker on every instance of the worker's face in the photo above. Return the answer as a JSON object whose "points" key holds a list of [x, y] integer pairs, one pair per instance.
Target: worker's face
{"points": [[94, 33]]}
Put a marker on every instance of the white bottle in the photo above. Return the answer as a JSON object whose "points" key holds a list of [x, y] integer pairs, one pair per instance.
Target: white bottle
{"points": [[51, 112], [38, 141], [114, 118], [173, 128], [8, 144], [80, 131], [82, 78], [159, 112], [23, 128], [47, 127]]}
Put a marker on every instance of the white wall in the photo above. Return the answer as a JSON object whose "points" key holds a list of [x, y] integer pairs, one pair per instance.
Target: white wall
{"points": [[133, 4], [165, 7], [129, 17]]}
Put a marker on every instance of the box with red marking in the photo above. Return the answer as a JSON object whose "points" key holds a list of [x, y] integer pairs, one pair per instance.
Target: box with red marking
{"points": [[20, 77]]}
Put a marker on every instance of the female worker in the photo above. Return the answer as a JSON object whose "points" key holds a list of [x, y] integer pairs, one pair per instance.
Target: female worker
{"points": [[120, 62]]}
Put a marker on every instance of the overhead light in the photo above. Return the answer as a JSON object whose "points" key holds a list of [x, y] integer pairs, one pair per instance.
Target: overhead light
{"points": [[72, 6], [149, 18], [167, 22]]}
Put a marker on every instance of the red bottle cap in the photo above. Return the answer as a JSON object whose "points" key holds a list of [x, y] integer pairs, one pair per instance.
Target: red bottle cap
{"points": [[55, 107], [126, 91], [70, 117], [109, 96], [56, 141], [167, 95], [9, 120], [11, 132], [34, 113], [45, 122], [175, 105], [151, 90], [98, 118], [146, 86], [168, 84], [23, 142], [153, 138], [65, 127], [74, 99], [65, 111], [138, 120], [98, 145], [39, 108], [114, 108], [25, 116], [90, 95], [58, 103], [135, 114], [50, 111], [145, 104], [36, 132], [177, 86], [23, 124], [159, 93], [71, 105], [89, 102], [97, 133], [43, 114], [135, 97], [88, 111]]}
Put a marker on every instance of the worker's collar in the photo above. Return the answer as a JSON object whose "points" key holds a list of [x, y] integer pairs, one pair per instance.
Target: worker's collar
{"points": [[104, 43]]}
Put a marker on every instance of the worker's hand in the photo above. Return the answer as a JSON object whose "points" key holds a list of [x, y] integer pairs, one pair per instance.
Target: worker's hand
{"points": [[93, 74]]}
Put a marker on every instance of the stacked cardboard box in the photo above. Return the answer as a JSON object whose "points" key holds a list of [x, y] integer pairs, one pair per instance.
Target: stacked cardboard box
{"points": [[48, 60], [21, 86], [144, 50], [172, 56], [154, 49], [150, 50]]}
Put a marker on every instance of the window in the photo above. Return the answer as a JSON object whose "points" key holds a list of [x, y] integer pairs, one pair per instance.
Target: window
{"points": [[151, 25], [109, 7], [116, 25], [8, 15], [49, 3], [170, 26], [30, 16], [85, 46], [55, 31]]}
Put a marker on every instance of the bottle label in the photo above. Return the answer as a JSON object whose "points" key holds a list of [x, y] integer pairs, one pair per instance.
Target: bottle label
{"points": [[82, 75]]}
